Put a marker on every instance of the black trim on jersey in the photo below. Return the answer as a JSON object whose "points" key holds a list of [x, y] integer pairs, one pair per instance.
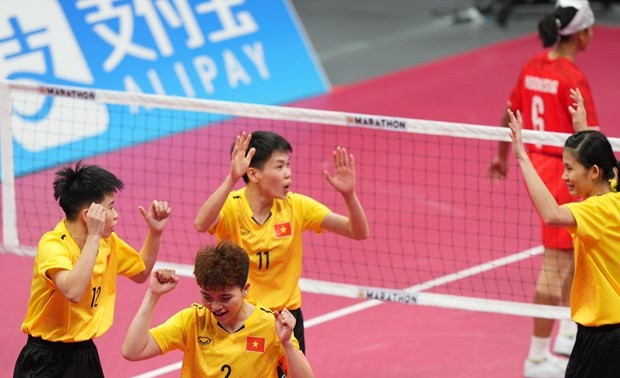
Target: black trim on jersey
{"points": [[222, 327], [266, 219]]}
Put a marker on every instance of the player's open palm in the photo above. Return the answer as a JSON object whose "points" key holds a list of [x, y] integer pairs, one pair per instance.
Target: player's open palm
{"points": [[163, 281], [157, 215], [240, 157], [516, 125], [578, 111], [344, 171]]}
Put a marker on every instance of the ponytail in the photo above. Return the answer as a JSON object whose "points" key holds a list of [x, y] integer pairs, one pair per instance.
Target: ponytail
{"points": [[550, 25]]}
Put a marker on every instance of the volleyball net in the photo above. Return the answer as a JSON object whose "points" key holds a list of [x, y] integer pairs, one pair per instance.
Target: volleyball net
{"points": [[442, 233]]}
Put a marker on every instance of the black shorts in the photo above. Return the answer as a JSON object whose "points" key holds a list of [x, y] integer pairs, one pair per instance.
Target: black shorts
{"points": [[49, 359], [299, 329], [595, 354]]}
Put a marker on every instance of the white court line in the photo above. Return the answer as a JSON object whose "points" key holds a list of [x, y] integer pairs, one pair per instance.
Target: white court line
{"points": [[404, 34], [161, 371], [185, 270]]}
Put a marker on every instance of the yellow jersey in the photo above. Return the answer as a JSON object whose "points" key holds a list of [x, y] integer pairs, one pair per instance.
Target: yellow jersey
{"points": [[275, 247], [51, 316], [595, 294], [254, 351]]}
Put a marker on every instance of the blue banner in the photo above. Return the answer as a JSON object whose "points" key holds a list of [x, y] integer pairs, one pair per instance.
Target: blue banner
{"points": [[237, 50]]}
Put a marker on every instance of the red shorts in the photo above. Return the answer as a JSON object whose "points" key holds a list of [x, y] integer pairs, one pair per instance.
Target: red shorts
{"points": [[550, 168]]}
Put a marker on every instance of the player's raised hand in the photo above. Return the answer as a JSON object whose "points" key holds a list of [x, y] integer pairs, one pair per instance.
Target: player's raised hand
{"points": [[95, 219], [163, 281], [578, 111], [344, 172], [157, 215], [240, 156], [285, 324], [516, 125]]}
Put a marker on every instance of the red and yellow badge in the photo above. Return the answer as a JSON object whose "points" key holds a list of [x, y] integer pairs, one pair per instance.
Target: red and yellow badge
{"points": [[255, 344], [283, 230]]}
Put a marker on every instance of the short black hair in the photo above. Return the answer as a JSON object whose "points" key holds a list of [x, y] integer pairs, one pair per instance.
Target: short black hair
{"points": [[76, 187]]}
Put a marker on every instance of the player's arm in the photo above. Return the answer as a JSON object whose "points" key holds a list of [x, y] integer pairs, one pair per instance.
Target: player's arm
{"points": [[499, 165], [139, 344], [298, 366], [73, 283], [209, 212], [551, 213], [355, 225], [156, 219]]}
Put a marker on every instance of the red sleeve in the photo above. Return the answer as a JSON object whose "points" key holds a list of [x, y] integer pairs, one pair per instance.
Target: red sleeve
{"points": [[580, 81], [514, 101]]}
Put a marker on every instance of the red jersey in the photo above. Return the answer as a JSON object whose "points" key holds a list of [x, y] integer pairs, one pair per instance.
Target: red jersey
{"points": [[542, 94]]}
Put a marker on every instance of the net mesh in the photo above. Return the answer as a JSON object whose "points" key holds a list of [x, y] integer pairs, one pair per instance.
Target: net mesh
{"points": [[442, 233]]}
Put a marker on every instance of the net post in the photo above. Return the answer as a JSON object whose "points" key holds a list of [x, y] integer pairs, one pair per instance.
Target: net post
{"points": [[9, 210]]}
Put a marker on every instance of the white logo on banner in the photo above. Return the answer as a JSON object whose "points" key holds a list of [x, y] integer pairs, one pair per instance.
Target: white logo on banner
{"points": [[36, 38], [115, 25], [155, 14], [38, 42]]}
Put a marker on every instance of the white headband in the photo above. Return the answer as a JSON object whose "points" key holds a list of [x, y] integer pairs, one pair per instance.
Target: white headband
{"points": [[584, 18]]}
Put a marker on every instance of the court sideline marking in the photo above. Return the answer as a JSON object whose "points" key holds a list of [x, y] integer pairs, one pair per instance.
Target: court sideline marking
{"points": [[404, 34]]}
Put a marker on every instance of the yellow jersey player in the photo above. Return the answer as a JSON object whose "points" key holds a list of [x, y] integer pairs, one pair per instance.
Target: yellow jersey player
{"points": [[74, 277], [591, 172], [226, 335], [267, 220]]}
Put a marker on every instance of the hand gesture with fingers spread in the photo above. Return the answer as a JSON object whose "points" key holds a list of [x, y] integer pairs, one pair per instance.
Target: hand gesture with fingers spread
{"points": [[240, 162], [157, 216], [578, 111], [344, 172], [516, 125]]}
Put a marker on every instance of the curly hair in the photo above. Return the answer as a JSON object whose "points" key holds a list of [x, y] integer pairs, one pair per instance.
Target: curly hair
{"points": [[221, 266]]}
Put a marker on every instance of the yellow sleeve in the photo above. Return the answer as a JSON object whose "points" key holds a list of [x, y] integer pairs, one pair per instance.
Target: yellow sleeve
{"points": [[52, 253], [172, 334], [130, 262]]}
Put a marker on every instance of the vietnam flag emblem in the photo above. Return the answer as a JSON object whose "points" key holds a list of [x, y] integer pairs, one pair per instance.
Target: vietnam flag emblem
{"points": [[283, 230], [255, 344]]}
